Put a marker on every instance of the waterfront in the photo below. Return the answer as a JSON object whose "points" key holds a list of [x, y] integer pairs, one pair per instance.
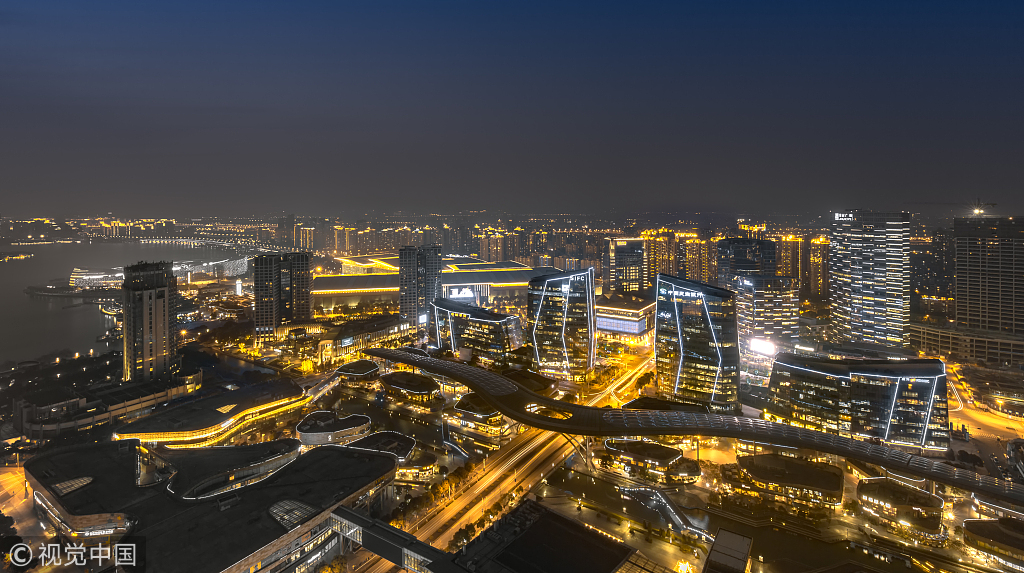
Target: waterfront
{"points": [[35, 326]]}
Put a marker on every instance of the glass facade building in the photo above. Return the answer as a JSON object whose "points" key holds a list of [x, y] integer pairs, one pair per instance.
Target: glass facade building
{"points": [[767, 316], [625, 266], [899, 402], [281, 292], [695, 343], [564, 324], [869, 266], [491, 336]]}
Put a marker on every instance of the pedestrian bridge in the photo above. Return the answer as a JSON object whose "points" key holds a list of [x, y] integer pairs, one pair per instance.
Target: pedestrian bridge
{"points": [[545, 413]]}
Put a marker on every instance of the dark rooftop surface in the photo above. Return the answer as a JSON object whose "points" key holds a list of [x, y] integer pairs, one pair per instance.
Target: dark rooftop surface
{"points": [[896, 493], [411, 382], [47, 396], [647, 450], [1005, 530], [338, 284], [474, 312], [217, 539], [911, 367], [386, 441], [211, 411], [112, 467], [649, 403], [358, 368], [785, 470], [555, 544], [195, 465], [420, 459], [500, 274], [531, 381], [327, 421], [476, 405]]}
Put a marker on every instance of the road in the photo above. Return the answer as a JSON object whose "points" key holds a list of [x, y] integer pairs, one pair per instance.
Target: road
{"points": [[990, 430], [541, 452]]}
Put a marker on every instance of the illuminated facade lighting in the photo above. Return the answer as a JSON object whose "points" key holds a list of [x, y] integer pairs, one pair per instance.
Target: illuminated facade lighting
{"points": [[564, 325]]}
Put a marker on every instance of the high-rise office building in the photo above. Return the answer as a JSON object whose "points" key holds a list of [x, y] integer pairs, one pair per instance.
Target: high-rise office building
{"points": [[464, 328], [286, 231], [789, 251], [149, 297], [738, 256], [815, 283], [419, 282], [306, 238], [564, 324], [662, 251], [902, 403], [700, 260], [869, 276], [767, 318], [695, 343], [625, 266], [281, 292], [990, 274]]}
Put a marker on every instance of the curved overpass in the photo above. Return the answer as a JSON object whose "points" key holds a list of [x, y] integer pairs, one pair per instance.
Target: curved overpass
{"points": [[527, 407]]}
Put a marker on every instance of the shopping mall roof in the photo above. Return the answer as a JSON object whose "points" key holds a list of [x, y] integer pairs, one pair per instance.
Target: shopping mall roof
{"points": [[394, 443], [196, 465], [209, 412], [785, 470], [411, 382], [354, 284], [896, 493], [1005, 530], [917, 367], [474, 404], [623, 302], [650, 451], [327, 421], [361, 326], [358, 368], [494, 274]]}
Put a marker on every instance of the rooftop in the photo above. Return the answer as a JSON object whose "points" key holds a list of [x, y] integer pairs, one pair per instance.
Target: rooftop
{"points": [[474, 404], [730, 552], [194, 466], [624, 302], [358, 368], [327, 421], [411, 382], [791, 471], [474, 312], [896, 493], [391, 442], [1005, 530], [532, 381], [649, 403], [362, 326], [652, 451], [496, 275], [924, 367], [209, 412]]}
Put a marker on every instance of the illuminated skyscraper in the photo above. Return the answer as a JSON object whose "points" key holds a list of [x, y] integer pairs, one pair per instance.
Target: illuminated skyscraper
{"points": [[701, 264], [815, 285], [563, 325], [767, 316], [625, 266], [990, 274], [789, 252], [281, 292], [661, 251], [464, 328], [695, 343], [306, 238], [869, 266], [149, 297], [419, 282]]}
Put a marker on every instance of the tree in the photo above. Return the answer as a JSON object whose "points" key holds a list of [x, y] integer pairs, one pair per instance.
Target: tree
{"points": [[644, 379], [851, 506]]}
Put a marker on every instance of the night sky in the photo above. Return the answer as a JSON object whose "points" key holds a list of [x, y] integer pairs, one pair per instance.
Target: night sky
{"points": [[333, 108]]}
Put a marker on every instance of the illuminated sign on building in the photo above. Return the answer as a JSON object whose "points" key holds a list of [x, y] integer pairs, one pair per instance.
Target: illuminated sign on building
{"points": [[464, 292]]}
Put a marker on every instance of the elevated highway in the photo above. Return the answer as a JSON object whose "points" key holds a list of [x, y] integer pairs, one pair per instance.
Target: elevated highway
{"points": [[538, 411]]}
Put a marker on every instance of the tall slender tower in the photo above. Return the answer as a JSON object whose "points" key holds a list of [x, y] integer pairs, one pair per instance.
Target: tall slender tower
{"points": [[869, 266], [281, 291], [149, 295], [419, 282]]}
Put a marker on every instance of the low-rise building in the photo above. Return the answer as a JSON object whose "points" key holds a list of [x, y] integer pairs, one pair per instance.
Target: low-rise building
{"points": [[1000, 540], [651, 460], [786, 480], [325, 427], [284, 520], [340, 343], [415, 391], [903, 508], [477, 423], [625, 318], [358, 371], [218, 419]]}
